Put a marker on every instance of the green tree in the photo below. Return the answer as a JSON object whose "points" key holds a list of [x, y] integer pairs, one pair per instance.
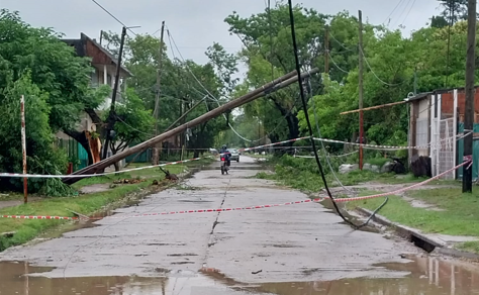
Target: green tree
{"points": [[225, 65], [268, 54], [183, 83], [42, 157], [133, 125], [35, 63], [454, 10]]}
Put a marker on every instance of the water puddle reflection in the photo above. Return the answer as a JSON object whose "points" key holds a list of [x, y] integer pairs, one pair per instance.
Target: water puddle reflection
{"points": [[428, 276]]}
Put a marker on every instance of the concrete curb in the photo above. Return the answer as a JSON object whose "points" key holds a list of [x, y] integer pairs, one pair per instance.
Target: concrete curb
{"points": [[419, 239]]}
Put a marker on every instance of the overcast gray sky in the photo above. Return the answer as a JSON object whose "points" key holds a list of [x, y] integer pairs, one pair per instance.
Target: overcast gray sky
{"points": [[196, 24]]}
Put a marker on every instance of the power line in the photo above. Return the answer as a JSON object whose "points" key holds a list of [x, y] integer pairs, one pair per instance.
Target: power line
{"points": [[170, 37], [404, 9], [409, 11], [396, 7], [372, 71], [337, 66], [340, 43], [114, 17], [306, 115]]}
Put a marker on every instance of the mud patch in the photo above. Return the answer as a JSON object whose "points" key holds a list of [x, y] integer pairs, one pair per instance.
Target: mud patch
{"points": [[182, 263]]}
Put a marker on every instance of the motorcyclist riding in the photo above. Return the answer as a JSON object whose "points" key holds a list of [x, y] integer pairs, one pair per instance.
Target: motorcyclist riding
{"points": [[224, 152]]}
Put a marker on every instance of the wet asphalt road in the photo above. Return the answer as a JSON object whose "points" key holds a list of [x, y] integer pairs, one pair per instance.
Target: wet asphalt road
{"points": [[211, 253]]}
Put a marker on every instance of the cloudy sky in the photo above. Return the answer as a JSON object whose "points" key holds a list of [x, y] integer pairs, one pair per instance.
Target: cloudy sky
{"points": [[196, 24]]}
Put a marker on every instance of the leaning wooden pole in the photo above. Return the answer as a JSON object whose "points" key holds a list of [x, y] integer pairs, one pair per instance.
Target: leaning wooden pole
{"points": [[265, 89]]}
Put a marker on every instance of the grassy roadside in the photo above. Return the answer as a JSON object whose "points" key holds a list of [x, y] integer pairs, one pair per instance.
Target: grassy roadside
{"points": [[460, 211], [303, 174], [459, 216], [26, 230]]}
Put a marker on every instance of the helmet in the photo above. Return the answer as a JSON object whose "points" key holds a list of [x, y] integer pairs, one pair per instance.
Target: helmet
{"points": [[224, 147]]}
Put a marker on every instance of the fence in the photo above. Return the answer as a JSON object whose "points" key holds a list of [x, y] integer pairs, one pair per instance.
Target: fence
{"points": [[475, 153], [75, 151]]}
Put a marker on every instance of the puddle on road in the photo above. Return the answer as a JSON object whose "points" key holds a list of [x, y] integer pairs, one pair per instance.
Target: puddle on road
{"points": [[428, 276]]}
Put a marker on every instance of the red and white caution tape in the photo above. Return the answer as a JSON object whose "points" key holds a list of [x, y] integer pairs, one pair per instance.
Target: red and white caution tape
{"points": [[39, 217], [272, 144], [93, 175], [389, 147], [329, 155], [164, 213], [366, 146], [467, 161]]}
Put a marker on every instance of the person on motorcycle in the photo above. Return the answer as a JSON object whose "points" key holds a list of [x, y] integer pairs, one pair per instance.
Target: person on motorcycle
{"points": [[224, 151]]}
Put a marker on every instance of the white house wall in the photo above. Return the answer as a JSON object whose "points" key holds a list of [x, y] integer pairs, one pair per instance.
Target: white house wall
{"points": [[422, 127]]}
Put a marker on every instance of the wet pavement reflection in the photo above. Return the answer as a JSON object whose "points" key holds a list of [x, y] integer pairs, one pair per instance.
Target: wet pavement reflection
{"points": [[427, 276]]}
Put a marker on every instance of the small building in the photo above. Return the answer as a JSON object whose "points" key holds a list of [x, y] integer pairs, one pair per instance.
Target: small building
{"points": [[104, 66], [436, 126]]}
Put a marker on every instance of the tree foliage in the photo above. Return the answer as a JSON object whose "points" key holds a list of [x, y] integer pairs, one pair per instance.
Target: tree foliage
{"points": [[55, 83]]}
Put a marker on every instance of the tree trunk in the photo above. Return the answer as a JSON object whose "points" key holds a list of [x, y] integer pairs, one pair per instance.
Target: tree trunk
{"points": [[81, 138], [292, 126], [117, 166]]}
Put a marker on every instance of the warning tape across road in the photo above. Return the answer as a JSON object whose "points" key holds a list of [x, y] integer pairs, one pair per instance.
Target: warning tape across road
{"points": [[161, 213], [366, 146], [466, 161], [93, 175]]}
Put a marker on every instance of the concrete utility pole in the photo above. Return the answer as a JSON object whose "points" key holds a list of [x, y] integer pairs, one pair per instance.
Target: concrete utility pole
{"points": [[361, 90], [470, 94], [156, 111], [273, 86], [111, 117], [326, 50], [24, 149]]}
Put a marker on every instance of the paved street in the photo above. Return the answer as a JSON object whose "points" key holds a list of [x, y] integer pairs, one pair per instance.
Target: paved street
{"points": [[215, 252]]}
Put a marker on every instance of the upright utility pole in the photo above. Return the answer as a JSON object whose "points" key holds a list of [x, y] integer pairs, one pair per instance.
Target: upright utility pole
{"points": [[415, 81], [111, 117], [24, 149], [361, 127], [326, 50], [469, 110], [156, 111]]}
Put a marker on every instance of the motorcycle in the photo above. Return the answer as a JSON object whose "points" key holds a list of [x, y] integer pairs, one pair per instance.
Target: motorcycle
{"points": [[224, 165]]}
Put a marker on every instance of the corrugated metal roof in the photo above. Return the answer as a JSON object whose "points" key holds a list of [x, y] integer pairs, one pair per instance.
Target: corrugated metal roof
{"points": [[418, 96], [78, 45]]}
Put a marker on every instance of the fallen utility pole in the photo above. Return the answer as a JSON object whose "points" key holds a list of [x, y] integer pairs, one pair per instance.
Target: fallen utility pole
{"points": [[374, 107], [470, 95], [167, 129], [279, 83], [111, 116]]}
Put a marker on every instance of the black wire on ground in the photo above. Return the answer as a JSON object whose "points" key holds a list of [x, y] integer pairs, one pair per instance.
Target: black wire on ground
{"points": [[305, 108]]}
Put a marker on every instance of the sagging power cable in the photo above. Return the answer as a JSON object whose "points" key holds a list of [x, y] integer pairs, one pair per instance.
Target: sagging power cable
{"points": [[305, 108]]}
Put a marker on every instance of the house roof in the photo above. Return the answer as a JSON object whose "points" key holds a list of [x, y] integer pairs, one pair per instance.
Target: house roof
{"points": [[80, 48], [418, 96], [437, 91]]}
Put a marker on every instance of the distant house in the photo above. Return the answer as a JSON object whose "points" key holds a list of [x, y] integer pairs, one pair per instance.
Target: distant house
{"points": [[435, 127], [104, 69]]}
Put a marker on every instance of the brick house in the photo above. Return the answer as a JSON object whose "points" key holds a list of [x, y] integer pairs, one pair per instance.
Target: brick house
{"points": [[436, 123]]}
